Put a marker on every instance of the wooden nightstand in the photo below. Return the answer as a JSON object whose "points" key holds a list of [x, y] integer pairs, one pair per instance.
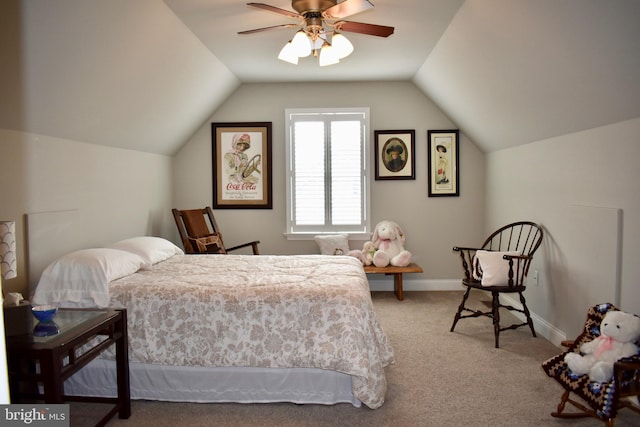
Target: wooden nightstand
{"points": [[50, 353]]}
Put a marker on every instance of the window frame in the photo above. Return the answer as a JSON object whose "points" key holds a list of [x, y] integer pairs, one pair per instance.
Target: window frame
{"points": [[294, 232]]}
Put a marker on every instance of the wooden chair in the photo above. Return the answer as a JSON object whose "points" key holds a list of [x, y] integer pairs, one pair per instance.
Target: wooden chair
{"points": [[598, 400], [506, 256], [200, 233]]}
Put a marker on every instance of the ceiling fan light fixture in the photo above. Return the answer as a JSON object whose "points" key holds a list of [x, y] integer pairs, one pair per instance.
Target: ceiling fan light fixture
{"points": [[328, 55], [302, 44], [341, 45], [318, 42], [320, 21], [288, 54]]}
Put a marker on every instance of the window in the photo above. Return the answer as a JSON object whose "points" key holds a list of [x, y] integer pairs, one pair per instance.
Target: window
{"points": [[327, 172]]}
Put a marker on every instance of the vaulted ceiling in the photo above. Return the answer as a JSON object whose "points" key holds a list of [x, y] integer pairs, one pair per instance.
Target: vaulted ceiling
{"points": [[507, 72]]}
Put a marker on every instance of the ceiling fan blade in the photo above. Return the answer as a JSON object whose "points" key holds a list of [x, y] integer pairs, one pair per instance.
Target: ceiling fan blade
{"points": [[275, 27], [266, 7], [362, 28], [347, 8]]}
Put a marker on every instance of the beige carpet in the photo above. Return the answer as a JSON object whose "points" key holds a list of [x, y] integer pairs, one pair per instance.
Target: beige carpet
{"points": [[440, 379]]}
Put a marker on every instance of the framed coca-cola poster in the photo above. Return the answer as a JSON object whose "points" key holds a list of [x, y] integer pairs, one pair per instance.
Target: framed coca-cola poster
{"points": [[241, 165]]}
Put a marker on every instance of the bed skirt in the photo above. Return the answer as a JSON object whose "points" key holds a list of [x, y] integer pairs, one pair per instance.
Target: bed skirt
{"points": [[216, 385]]}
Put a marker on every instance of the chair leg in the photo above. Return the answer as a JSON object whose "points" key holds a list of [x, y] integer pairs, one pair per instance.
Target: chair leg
{"points": [[561, 405], [559, 413], [526, 313], [495, 313], [584, 411], [460, 308]]}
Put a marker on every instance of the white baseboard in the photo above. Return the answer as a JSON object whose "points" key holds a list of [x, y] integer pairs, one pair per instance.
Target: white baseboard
{"points": [[542, 327]]}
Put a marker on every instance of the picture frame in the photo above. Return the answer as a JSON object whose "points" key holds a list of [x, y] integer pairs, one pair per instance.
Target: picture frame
{"points": [[443, 159], [241, 165], [395, 154]]}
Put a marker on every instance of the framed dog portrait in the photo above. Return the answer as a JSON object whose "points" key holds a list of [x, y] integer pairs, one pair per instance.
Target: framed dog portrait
{"points": [[241, 165], [394, 152]]}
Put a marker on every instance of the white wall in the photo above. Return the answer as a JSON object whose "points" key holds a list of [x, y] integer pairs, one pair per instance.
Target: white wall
{"points": [[581, 187], [118, 73], [512, 72], [118, 193], [432, 225]]}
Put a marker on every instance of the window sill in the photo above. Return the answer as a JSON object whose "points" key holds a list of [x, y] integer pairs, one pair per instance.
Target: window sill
{"points": [[310, 236]]}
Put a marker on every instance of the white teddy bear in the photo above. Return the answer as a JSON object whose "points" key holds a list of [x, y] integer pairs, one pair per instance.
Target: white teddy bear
{"points": [[389, 238], [618, 331]]}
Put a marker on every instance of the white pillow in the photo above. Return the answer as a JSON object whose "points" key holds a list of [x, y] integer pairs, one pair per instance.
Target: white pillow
{"points": [[333, 244], [151, 249], [493, 270], [81, 278]]}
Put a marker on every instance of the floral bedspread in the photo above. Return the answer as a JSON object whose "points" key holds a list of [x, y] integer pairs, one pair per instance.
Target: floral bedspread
{"points": [[308, 311]]}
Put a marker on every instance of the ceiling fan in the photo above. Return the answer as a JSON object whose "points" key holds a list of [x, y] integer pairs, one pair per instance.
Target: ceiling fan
{"points": [[320, 22]]}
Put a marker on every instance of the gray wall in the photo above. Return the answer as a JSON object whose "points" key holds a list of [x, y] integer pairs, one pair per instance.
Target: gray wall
{"points": [[583, 187], [432, 225], [118, 193]]}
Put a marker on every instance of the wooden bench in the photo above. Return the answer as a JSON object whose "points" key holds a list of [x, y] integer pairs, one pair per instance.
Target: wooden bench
{"points": [[397, 275]]}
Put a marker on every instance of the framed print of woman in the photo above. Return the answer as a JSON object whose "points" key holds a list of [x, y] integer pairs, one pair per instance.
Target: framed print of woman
{"points": [[443, 163], [238, 166], [241, 165], [394, 154]]}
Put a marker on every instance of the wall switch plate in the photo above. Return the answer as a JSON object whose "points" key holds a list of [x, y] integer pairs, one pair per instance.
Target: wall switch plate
{"points": [[534, 276]]}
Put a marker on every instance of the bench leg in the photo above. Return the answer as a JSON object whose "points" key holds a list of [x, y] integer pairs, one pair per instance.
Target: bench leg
{"points": [[397, 285]]}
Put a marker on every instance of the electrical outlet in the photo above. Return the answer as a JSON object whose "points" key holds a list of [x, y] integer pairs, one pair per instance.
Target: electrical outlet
{"points": [[534, 276]]}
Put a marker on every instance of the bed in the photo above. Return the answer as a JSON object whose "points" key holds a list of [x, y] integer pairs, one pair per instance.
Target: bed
{"points": [[228, 328]]}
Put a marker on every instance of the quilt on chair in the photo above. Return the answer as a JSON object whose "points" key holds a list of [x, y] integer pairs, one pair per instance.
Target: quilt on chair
{"points": [[600, 396]]}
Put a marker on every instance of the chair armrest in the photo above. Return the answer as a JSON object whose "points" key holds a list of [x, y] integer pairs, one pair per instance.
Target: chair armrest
{"points": [[254, 247], [519, 269], [462, 248], [466, 257], [628, 363], [508, 257], [626, 376], [518, 265]]}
